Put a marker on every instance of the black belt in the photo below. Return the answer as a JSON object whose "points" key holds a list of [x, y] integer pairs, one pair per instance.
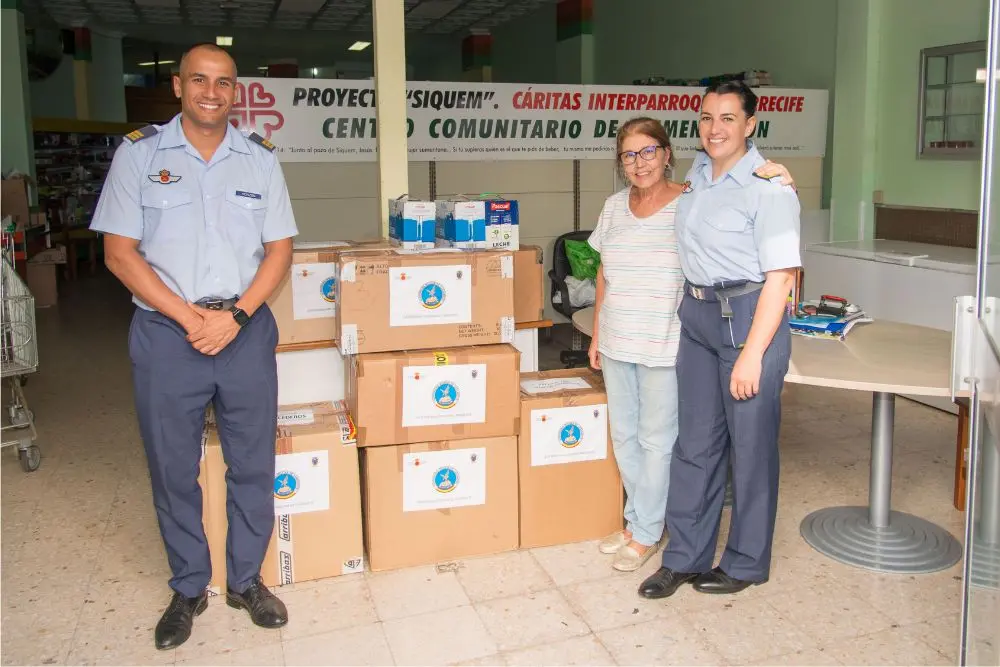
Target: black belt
{"points": [[218, 304], [726, 289]]}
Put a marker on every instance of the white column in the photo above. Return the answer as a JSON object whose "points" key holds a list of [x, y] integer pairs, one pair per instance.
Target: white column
{"points": [[390, 109], [18, 144]]}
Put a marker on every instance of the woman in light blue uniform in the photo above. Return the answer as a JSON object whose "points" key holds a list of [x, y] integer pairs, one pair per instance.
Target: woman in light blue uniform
{"points": [[738, 236]]}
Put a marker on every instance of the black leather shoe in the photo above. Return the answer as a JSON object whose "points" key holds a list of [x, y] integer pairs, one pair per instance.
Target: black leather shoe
{"points": [[664, 582], [265, 609], [719, 583], [174, 627]]}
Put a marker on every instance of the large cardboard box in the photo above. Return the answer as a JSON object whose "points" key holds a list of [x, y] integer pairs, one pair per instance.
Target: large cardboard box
{"points": [[397, 398], [391, 301], [529, 290], [317, 498], [43, 283], [438, 501], [14, 202], [305, 302], [570, 489]]}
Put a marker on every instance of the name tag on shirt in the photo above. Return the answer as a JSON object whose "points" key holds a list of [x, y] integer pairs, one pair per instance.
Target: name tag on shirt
{"points": [[248, 195]]}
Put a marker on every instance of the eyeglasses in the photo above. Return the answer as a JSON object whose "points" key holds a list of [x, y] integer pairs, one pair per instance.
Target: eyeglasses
{"points": [[648, 153]]}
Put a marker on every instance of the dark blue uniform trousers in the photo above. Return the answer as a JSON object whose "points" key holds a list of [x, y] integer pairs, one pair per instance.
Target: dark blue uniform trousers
{"points": [[173, 385], [714, 426]]}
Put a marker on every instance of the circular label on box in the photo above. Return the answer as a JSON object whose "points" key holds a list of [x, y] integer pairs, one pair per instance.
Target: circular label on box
{"points": [[445, 479]]}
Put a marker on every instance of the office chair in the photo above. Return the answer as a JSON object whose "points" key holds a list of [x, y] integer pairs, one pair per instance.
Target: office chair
{"points": [[577, 355]]}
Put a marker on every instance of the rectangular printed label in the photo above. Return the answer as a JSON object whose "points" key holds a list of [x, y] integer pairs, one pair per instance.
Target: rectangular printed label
{"points": [[301, 417], [452, 394], [302, 482], [569, 435], [444, 479], [286, 551], [422, 295], [549, 385], [314, 290], [353, 565], [507, 329], [349, 339]]}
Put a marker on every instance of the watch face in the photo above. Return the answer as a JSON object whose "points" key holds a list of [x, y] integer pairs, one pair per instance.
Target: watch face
{"points": [[241, 317]]}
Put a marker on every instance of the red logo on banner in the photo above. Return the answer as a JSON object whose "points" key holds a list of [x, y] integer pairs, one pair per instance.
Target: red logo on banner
{"points": [[253, 109]]}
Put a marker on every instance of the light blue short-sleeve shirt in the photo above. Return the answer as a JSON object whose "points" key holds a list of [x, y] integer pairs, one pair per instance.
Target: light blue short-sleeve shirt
{"points": [[201, 225], [738, 227]]}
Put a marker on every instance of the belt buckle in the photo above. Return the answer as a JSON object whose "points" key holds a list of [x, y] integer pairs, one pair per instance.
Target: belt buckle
{"points": [[698, 292], [215, 304]]}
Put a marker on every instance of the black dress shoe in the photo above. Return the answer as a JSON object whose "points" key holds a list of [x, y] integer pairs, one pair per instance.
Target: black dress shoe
{"points": [[174, 627], [719, 583], [265, 609], [664, 582]]}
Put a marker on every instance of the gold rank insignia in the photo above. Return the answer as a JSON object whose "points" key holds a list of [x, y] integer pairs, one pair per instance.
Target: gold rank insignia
{"points": [[141, 133], [257, 139]]}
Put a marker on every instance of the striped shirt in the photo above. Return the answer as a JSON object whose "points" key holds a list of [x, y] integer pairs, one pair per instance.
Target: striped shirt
{"points": [[643, 283]]}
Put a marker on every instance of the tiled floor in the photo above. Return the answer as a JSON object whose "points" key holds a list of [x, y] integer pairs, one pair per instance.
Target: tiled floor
{"points": [[83, 577]]}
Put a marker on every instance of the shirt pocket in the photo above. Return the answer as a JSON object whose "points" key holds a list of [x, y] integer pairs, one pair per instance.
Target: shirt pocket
{"points": [[728, 220], [246, 205], [168, 213]]}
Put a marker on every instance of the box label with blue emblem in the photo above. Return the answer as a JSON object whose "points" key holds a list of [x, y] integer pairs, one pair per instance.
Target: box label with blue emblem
{"points": [[444, 479], [422, 295], [412, 223], [302, 482], [436, 395], [569, 435]]}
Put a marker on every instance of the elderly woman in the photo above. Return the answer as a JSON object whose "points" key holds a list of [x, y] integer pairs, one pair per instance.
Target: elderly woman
{"points": [[640, 284]]}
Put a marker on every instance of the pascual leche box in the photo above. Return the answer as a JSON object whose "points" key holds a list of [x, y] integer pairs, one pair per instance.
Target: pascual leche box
{"points": [[400, 300], [570, 489], [431, 502], [404, 397], [305, 303]]}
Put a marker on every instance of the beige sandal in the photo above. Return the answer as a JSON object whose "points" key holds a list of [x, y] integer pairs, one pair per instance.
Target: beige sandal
{"points": [[629, 560], [612, 543]]}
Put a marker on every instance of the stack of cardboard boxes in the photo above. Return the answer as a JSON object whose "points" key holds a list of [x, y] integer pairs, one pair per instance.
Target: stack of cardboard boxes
{"points": [[441, 448]]}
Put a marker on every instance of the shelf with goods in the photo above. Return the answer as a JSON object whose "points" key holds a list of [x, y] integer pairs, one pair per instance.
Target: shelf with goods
{"points": [[72, 158]]}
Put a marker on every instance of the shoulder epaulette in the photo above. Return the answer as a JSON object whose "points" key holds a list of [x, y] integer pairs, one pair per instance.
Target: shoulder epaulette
{"points": [[261, 141], [141, 133]]}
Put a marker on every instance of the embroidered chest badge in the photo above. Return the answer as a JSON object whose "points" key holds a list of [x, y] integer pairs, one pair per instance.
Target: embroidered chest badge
{"points": [[164, 176], [687, 189]]}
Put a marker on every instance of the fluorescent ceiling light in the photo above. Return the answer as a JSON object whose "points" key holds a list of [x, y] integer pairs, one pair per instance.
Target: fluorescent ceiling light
{"points": [[222, 40], [153, 62], [359, 46]]}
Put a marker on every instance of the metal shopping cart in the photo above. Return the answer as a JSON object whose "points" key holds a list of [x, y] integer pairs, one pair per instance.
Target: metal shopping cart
{"points": [[18, 359]]}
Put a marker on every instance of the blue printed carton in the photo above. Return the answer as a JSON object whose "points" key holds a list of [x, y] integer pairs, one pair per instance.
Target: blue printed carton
{"points": [[502, 228], [412, 223], [461, 224]]}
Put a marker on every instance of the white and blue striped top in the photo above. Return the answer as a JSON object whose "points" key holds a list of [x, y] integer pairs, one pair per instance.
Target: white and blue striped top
{"points": [[644, 283]]}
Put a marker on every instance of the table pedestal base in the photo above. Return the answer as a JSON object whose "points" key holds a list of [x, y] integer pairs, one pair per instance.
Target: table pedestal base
{"points": [[876, 537], [909, 545]]}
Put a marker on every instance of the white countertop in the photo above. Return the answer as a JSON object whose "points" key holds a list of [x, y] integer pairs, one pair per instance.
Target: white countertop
{"points": [[922, 255]]}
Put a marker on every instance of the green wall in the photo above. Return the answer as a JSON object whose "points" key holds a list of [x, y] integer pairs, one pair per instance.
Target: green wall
{"points": [[16, 149], [911, 25]]}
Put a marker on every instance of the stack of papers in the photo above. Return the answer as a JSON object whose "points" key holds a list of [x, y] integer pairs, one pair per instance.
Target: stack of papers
{"points": [[827, 326]]}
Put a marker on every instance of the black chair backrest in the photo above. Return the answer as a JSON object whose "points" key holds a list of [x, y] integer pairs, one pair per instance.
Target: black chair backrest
{"points": [[560, 261]]}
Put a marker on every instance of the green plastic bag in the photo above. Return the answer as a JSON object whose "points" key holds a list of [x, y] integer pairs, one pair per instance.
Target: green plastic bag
{"points": [[583, 260]]}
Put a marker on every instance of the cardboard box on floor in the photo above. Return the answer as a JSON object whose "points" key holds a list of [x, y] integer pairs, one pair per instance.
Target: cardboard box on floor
{"points": [[529, 296], [397, 398], [399, 300], [304, 304], [317, 492], [569, 486], [431, 502], [14, 201]]}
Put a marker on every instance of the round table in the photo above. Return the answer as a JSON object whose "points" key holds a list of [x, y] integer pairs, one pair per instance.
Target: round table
{"points": [[885, 358]]}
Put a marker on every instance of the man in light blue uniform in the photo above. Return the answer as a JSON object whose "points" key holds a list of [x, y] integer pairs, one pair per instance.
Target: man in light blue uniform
{"points": [[738, 236], [198, 225]]}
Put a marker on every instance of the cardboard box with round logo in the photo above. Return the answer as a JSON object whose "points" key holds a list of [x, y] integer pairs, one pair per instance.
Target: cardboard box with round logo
{"points": [[304, 304], [568, 481], [317, 498], [409, 300], [397, 398], [432, 502]]}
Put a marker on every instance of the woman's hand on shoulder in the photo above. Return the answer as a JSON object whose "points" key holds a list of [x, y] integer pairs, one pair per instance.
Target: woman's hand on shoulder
{"points": [[770, 169]]}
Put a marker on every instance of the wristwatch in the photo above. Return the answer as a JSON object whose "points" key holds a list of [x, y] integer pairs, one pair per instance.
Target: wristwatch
{"points": [[240, 316]]}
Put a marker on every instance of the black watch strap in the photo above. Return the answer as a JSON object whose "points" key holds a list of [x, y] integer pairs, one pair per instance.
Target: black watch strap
{"points": [[240, 316]]}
